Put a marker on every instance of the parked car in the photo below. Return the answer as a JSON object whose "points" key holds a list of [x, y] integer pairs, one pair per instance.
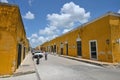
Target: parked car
{"points": [[38, 54]]}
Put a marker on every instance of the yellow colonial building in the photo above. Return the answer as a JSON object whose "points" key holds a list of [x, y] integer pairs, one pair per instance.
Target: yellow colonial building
{"points": [[96, 40], [13, 42]]}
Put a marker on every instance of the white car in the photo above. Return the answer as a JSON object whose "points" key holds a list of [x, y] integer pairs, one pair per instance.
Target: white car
{"points": [[38, 55]]}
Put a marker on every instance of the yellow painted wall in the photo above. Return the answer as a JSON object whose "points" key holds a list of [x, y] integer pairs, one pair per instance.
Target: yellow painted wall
{"points": [[71, 40], [12, 33], [115, 36], [105, 31], [7, 52], [99, 31]]}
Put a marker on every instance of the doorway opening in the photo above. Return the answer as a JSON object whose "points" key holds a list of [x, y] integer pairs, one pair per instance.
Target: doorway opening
{"points": [[79, 48], [93, 49], [67, 49], [19, 54]]}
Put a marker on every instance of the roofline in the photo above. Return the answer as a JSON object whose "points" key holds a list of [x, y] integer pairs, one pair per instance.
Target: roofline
{"points": [[17, 7], [83, 25], [8, 4], [106, 14]]}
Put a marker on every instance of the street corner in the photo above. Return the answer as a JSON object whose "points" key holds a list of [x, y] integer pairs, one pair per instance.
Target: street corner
{"points": [[24, 73], [5, 76], [25, 69]]}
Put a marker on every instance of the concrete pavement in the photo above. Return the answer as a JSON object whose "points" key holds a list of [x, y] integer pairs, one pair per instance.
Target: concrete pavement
{"points": [[59, 68], [26, 67], [27, 70], [98, 63]]}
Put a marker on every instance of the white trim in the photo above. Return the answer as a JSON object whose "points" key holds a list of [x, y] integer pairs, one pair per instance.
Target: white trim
{"points": [[66, 42], [78, 39], [96, 49], [61, 45]]}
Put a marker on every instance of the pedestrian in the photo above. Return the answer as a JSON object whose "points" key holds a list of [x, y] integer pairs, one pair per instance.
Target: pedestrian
{"points": [[45, 53], [37, 61]]}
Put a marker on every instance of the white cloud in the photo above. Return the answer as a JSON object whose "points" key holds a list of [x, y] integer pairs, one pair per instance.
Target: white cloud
{"points": [[77, 13], [30, 2], [33, 40], [29, 15], [41, 38], [34, 35], [46, 31], [62, 20], [119, 11], [49, 31], [69, 15], [66, 30], [5, 1], [36, 39]]}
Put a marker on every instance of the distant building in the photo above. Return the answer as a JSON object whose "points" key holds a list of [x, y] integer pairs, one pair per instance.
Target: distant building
{"points": [[95, 40], [13, 42]]}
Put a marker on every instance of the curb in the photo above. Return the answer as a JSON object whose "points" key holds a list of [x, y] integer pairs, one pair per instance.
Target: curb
{"points": [[26, 64], [18, 74], [23, 73], [36, 71], [5, 76], [90, 62]]}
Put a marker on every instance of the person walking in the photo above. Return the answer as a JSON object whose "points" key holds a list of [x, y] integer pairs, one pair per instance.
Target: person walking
{"points": [[37, 61], [45, 55]]}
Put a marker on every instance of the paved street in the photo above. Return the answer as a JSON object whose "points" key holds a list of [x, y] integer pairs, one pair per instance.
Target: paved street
{"points": [[22, 77], [59, 68]]}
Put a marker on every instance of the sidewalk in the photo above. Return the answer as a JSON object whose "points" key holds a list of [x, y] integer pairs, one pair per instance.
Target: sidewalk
{"points": [[98, 63], [26, 67], [26, 71]]}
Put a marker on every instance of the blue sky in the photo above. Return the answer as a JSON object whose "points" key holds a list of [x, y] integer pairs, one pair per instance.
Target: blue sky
{"points": [[46, 19]]}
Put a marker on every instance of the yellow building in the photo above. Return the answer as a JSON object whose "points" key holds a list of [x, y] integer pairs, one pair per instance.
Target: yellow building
{"points": [[13, 41], [95, 40]]}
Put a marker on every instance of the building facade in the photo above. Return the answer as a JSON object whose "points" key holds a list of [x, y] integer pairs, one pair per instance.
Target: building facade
{"points": [[13, 42], [95, 40]]}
